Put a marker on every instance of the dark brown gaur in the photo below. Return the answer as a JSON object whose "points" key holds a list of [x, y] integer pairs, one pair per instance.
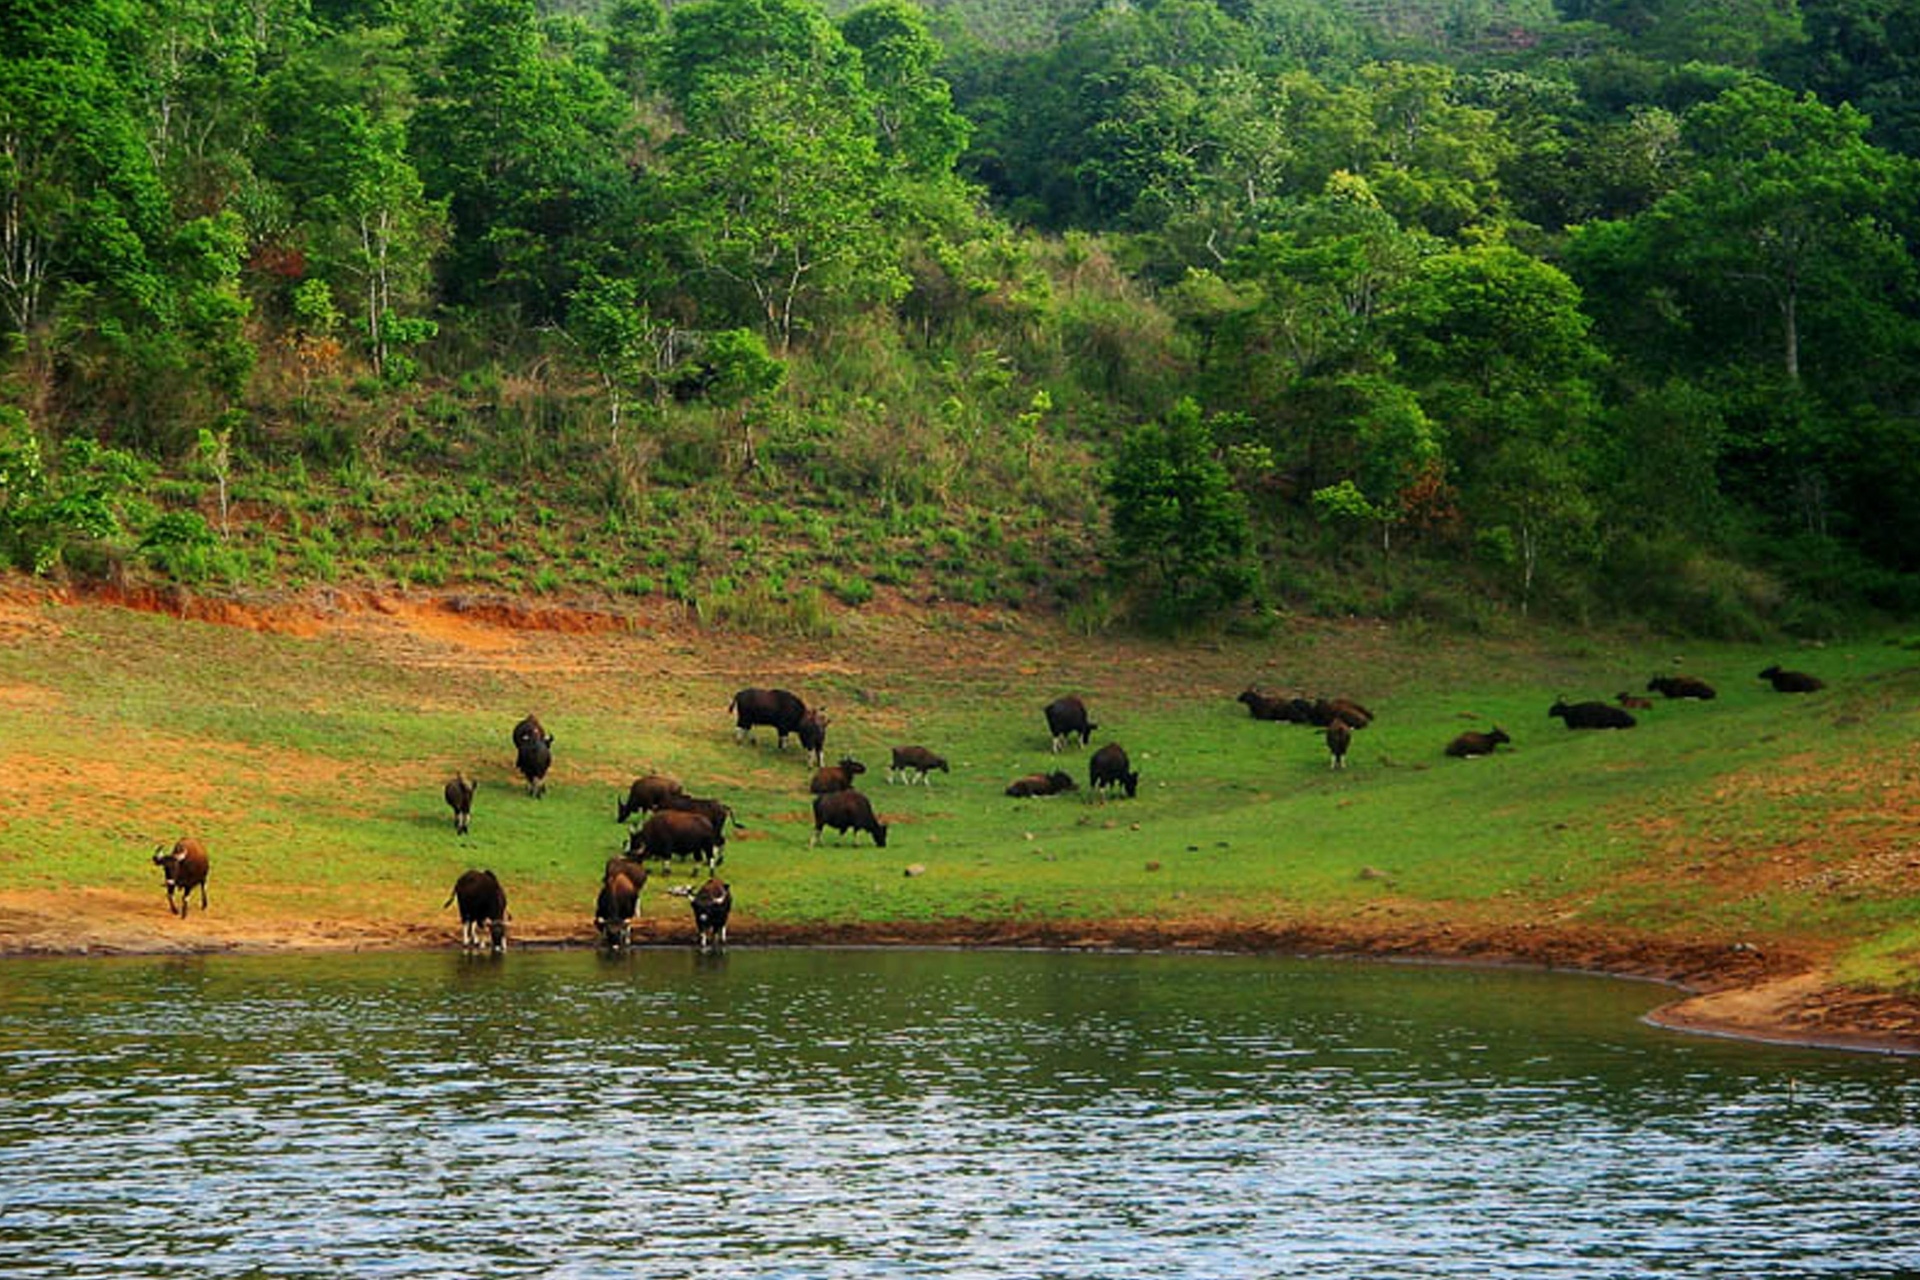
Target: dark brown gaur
{"points": [[613, 911], [533, 758], [1339, 738], [718, 812], [813, 736], [530, 729], [1591, 715], [847, 811], [647, 793], [185, 866], [913, 764], [1681, 687], [1263, 706], [712, 904], [459, 793], [836, 777], [482, 902], [1066, 717], [1041, 784], [781, 710], [1792, 681], [1322, 712], [1110, 768], [1472, 743], [675, 833]]}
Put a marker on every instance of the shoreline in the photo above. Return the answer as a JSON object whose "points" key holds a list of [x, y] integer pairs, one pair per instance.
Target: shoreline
{"points": [[1728, 991]]}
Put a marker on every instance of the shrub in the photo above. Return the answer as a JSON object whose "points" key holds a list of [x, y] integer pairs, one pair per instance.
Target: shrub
{"points": [[43, 510], [1178, 522], [851, 589], [758, 608], [180, 544]]}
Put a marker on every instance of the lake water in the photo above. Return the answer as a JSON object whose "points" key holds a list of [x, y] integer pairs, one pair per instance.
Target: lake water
{"points": [[851, 1113]]}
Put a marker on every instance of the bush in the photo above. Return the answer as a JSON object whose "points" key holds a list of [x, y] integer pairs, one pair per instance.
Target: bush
{"points": [[43, 510], [758, 608], [180, 544], [851, 590], [1179, 525]]}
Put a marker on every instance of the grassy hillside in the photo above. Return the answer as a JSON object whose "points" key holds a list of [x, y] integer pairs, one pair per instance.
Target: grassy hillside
{"points": [[311, 760]]}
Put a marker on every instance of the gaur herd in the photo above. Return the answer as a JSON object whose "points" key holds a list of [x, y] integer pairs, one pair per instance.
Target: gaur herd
{"points": [[676, 825]]}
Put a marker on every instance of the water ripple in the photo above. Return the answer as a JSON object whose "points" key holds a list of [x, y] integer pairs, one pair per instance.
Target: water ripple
{"points": [[863, 1114]]}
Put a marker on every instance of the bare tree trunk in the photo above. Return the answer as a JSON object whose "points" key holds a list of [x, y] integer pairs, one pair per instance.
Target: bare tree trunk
{"points": [[23, 255], [1790, 323], [1529, 558]]}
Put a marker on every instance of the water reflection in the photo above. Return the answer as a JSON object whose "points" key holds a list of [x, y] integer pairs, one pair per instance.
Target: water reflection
{"points": [[877, 1113]]}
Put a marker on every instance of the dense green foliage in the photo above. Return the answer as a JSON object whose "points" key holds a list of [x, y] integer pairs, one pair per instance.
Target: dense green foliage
{"points": [[1592, 309]]}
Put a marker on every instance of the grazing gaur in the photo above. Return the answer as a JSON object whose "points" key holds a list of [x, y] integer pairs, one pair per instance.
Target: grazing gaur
{"points": [[778, 708], [1266, 707], [647, 793], [1592, 715], [1633, 702], [1792, 681], [813, 736], [712, 903], [1109, 767], [714, 811], [1680, 687], [836, 777], [913, 764], [533, 758], [185, 867], [619, 899], [675, 833], [482, 902], [1339, 737], [459, 793], [847, 811], [1472, 743], [1066, 717], [1041, 784]]}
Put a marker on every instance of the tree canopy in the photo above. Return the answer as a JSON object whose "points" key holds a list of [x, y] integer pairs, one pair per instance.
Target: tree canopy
{"points": [[1533, 296]]}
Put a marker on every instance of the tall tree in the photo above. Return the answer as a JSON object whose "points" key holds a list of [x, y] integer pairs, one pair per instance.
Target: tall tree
{"points": [[915, 124], [1179, 525], [340, 152], [1499, 349], [1788, 242], [775, 183], [519, 144], [1863, 52], [80, 200]]}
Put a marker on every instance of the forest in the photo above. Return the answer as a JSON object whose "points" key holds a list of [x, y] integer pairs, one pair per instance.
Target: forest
{"points": [[1160, 313]]}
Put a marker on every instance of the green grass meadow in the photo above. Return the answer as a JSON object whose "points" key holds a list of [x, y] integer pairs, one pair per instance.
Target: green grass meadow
{"points": [[313, 769]]}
